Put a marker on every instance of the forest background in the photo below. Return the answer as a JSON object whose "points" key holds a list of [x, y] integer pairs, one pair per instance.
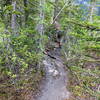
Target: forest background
{"points": [[26, 26]]}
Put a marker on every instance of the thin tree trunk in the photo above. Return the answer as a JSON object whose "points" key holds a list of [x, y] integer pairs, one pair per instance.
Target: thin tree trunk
{"points": [[40, 26], [92, 9], [26, 12], [56, 10], [13, 20], [41, 15]]}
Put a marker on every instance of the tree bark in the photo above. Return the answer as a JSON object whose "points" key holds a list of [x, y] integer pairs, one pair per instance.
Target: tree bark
{"points": [[92, 9], [13, 20], [26, 11], [40, 25]]}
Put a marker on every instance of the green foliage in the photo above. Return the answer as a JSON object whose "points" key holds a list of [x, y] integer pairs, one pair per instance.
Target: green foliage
{"points": [[87, 81], [21, 51], [19, 58], [81, 50]]}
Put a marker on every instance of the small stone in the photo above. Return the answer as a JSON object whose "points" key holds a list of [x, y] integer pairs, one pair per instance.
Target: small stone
{"points": [[55, 73]]}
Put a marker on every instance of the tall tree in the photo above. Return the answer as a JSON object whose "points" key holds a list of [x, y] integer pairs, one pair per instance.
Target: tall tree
{"points": [[92, 10], [26, 10], [40, 26], [13, 20]]}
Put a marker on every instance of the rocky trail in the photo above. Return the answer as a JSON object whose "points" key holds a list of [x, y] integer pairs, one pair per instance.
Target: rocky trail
{"points": [[55, 85]]}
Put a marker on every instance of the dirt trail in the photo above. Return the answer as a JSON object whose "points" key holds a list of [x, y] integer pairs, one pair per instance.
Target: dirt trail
{"points": [[54, 87]]}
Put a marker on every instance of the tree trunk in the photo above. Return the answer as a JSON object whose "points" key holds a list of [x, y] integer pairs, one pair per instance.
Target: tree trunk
{"points": [[13, 20], [92, 9], [26, 11], [40, 26], [56, 10]]}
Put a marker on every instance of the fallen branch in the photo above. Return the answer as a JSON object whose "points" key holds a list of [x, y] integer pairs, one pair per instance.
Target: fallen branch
{"points": [[49, 55]]}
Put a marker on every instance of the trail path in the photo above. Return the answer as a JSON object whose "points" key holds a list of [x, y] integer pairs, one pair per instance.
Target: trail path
{"points": [[54, 87]]}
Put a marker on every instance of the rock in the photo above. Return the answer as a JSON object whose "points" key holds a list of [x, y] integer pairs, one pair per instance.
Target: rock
{"points": [[55, 73]]}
